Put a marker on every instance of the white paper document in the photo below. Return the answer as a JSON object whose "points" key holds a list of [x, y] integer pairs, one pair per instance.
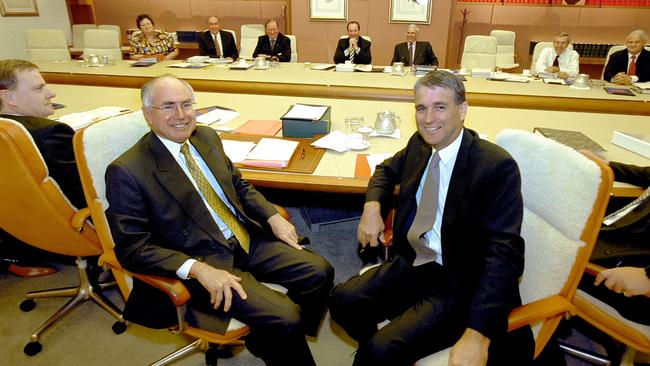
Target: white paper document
{"points": [[303, 111], [273, 149], [80, 120], [237, 150], [335, 140], [376, 159], [218, 116]]}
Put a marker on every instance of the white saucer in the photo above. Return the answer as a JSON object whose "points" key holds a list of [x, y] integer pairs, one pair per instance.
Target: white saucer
{"points": [[385, 133], [364, 145], [261, 67]]}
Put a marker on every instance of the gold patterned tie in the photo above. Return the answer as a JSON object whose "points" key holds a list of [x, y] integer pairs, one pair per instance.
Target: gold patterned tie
{"points": [[214, 201]]}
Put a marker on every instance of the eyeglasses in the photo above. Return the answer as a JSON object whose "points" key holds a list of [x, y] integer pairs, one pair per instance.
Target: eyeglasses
{"points": [[172, 107]]}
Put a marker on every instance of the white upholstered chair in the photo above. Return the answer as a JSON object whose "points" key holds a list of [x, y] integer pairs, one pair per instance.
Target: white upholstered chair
{"points": [[564, 206], [234, 35], [294, 48], [505, 49], [46, 45], [78, 33], [103, 42], [479, 52], [249, 35], [95, 147], [115, 28]]}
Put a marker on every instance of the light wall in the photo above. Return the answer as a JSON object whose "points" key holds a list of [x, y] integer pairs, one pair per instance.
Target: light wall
{"points": [[540, 23], [53, 14]]}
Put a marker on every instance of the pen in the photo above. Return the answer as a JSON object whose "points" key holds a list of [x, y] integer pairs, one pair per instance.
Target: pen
{"points": [[302, 154]]}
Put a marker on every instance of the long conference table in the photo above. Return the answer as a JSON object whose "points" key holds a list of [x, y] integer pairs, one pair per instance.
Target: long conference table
{"points": [[335, 172], [298, 80]]}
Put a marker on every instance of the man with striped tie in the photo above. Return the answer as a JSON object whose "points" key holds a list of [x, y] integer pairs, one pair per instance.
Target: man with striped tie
{"points": [[180, 208], [354, 48], [624, 247], [558, 59]]}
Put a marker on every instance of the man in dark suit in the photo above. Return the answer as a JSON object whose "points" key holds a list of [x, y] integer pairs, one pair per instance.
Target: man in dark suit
{"points": [[25, 98], [273, 44], [215, 43], [414, 52], [354, 48], [623, 246], [457, 247], [178, 207], [632, 64]]}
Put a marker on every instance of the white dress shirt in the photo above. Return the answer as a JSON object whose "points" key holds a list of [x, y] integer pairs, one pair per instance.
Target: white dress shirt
{"points": [[175, 149], [447, 160], [569, 61]]}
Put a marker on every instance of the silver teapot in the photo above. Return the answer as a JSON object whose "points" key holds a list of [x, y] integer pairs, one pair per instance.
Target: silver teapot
{"points": [[387, 122]]}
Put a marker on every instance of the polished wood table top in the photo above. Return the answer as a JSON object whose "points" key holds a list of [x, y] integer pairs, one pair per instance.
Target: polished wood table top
{"points": [[295, 79], [335, 173]]}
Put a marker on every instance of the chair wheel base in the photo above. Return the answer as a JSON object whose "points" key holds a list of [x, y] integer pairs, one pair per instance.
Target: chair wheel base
{"points": [[27, 305], [32, 348], [212, 356], [119, 327]]}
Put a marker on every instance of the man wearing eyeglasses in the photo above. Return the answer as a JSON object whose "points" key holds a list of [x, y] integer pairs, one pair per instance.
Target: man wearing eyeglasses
{"points": [[179, 208]]}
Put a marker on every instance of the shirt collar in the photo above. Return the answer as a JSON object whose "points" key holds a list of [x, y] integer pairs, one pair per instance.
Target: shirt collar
{"points": [[629, 56], [173, 147], [449, 152]]}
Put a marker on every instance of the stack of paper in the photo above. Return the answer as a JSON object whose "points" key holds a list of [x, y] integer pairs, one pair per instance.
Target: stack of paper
{"points": [[306, 112], [335, 140], [271, 153], [322, 66], [641, 88], [217, 116], [481, 73], [237, 150], [80, 120], [145, 62], [260, 127]]}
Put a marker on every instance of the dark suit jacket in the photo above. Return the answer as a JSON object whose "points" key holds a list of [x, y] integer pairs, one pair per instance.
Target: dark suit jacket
{"points": [[54, 141], [159, 221], [482, 250], [363, 57], [618, 63], [423, 54], [207, 46], [282, 49]]}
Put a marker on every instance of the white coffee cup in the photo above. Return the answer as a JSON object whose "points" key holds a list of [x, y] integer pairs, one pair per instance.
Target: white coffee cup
{"points": [[355, 139]]}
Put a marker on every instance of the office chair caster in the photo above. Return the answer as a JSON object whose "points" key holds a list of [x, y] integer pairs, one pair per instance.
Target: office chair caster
{"points": [[212, 356], [119, 327], [28, 305], [32, 348]]}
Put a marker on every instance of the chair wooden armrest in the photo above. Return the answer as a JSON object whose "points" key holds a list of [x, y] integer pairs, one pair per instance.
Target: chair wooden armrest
{"points": [[174, 288], [538, 311], [79, 218], [594, 269]]}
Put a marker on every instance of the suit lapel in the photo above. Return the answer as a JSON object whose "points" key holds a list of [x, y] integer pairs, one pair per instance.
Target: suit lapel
{"points": [[458, 181], [172, 177]]}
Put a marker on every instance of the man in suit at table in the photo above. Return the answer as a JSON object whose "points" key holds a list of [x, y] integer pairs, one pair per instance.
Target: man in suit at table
{"points": [[25, 98], [624, 247], [414, 52], [632, 64], [458, 253], [216, 43], [558, 59], [273, 44], [180, 208], [354, 48]]}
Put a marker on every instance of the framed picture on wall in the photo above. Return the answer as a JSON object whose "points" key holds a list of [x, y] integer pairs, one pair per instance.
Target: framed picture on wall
{"points": [[18, 8], [328, 9], [410, 11]]}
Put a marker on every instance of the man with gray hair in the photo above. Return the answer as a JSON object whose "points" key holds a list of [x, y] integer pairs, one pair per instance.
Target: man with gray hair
{"points": [[457, 252], [414, 52], [180, 208], [558, 59], [631, 65]]}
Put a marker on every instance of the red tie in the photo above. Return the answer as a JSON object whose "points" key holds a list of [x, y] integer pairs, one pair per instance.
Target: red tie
{"points": [[632, 70]]}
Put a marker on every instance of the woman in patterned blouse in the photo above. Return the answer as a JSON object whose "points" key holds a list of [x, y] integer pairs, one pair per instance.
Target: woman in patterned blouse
{"points": [[151, 43]]}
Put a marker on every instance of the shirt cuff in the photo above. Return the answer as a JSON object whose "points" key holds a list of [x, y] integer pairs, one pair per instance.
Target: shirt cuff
{"points": [[183, 272], [634, 78], [346, 53]]}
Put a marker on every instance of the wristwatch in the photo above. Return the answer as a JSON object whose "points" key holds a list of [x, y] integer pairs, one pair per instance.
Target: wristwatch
{"points": [[647, 271]]}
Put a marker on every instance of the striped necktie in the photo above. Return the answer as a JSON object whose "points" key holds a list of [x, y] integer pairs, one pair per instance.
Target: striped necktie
{"points": [[425, 216], [352, 56], [214, 201]]}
